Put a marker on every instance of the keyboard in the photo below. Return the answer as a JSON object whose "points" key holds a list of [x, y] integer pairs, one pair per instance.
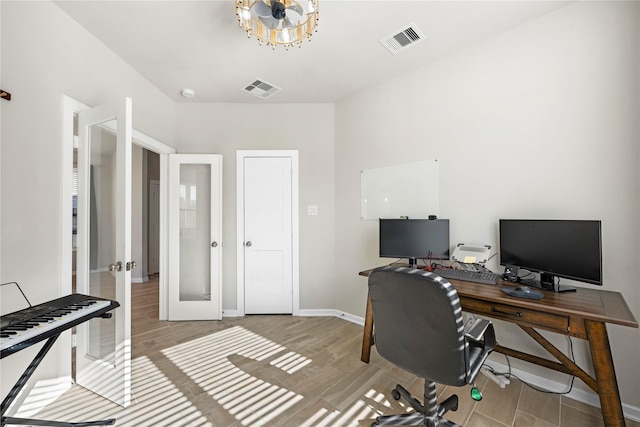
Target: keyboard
{"points": [[484, 277], [26, 327]]}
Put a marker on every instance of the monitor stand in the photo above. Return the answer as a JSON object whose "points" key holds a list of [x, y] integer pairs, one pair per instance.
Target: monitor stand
{"points": [[548, 282], [413, 263]]}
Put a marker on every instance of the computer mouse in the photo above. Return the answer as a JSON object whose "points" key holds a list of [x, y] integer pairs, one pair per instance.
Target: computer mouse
{"points": [[522, 291]]}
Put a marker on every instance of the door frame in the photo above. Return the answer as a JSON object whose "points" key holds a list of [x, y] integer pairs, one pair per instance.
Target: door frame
{"points": [[163, 151], [70, 107], [295, 211]]}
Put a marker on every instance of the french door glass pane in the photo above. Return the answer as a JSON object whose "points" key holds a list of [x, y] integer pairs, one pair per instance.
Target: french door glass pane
{"points": [[195, 232], [102, 282]]}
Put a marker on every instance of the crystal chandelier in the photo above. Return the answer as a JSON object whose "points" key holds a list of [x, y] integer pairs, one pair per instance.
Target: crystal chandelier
{"points": [[278, 23]]}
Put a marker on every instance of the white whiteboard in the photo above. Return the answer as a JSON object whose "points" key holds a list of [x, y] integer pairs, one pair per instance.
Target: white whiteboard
{"points": [[409, 189]]}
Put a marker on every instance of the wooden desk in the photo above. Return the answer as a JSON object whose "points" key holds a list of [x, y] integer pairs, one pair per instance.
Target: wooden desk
{"points": [[581, 314]]}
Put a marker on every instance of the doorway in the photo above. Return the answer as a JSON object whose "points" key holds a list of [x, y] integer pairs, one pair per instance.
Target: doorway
{"points": [[267, 229]]}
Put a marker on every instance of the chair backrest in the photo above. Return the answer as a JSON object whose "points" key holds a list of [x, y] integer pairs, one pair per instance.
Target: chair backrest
{"points": [[418, 324]]}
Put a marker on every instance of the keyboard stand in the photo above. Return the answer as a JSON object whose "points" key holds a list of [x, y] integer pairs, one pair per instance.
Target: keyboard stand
{"points": [[15, 390]]}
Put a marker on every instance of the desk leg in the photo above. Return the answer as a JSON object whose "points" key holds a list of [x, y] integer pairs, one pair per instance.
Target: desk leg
{"points": [[367, 336], [605, 374]]}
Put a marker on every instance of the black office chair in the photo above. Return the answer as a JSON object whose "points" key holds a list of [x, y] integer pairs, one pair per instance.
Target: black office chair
{"points": [[419, 327]]}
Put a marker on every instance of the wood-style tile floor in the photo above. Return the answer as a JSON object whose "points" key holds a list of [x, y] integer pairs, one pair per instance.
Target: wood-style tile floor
{"points": [[284, 371]]}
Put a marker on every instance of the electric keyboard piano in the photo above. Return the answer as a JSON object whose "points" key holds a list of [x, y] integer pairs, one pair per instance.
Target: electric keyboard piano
{"points": [[24, 328], [46, 321]]}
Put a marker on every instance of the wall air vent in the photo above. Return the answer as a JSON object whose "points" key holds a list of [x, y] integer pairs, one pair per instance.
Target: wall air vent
{"points": [[261, 89], [402, 39]]}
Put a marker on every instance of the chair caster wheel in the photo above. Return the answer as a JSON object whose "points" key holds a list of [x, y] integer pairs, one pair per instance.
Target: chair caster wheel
{"points": [[395, 394]]}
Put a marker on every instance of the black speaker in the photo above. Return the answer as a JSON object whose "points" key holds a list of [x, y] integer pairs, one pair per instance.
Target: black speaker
{"points": [[510, 273]]}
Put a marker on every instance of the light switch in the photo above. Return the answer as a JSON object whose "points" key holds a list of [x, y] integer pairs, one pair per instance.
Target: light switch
{"points": [[312, 210]]}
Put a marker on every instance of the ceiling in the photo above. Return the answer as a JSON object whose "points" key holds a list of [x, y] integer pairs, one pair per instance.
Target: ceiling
{"points": [[199, 44]]}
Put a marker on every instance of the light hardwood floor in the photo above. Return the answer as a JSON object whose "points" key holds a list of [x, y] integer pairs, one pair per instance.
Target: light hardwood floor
{"points": [[285, 371]]}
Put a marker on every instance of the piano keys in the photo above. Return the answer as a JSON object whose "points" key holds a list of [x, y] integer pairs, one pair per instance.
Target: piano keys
{"points": [[24, 328]]}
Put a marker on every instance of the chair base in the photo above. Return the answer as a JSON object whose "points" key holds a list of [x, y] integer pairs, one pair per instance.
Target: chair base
{"points": [[430, 414]]}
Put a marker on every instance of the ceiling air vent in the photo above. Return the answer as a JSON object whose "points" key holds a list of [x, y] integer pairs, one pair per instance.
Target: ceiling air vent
{"points": [[402, 39], [261, 89]]}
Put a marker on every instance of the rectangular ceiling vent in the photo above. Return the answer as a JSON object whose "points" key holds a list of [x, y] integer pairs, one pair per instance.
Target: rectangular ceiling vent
{"points": [[261, 89], [402, 39]]}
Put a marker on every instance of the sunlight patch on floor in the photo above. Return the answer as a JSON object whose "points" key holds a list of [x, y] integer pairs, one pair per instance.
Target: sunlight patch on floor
{"points": [[216, 372], [43, 393], [351, 417], [378, 397], [251, 400], [156, 401], [291, 362]]}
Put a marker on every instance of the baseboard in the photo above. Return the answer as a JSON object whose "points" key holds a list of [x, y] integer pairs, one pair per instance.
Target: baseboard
{"points": [[140, 279], [631, 412], [335, 313], [309, 313], [231, 313]]}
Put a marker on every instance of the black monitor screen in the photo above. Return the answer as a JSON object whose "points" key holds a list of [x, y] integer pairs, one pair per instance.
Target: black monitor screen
{"points": [[414, 238], [565, 248]]}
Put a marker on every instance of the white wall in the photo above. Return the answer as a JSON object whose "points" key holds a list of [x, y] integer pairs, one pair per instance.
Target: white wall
{"points": [[225, 128], [538, 122], [46, 54]]}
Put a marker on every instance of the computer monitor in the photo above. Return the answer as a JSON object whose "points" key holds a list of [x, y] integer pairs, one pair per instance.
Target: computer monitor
{"points": [[570, 249], [414, 239]]}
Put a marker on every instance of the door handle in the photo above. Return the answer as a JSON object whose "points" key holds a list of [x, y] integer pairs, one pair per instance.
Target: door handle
{"points": [[115, 267], [248, 244]]}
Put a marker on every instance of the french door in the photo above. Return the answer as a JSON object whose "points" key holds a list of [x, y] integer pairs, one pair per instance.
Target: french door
{"points": [[195, 237], [103, 354]]}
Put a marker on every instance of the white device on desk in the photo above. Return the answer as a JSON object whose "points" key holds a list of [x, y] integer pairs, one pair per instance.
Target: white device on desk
{"points": [[471, 254]]}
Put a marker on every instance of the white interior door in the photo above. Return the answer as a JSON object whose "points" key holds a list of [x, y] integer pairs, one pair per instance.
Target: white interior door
{"points": [[267, 239], [103, 355], [195, 237]]}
